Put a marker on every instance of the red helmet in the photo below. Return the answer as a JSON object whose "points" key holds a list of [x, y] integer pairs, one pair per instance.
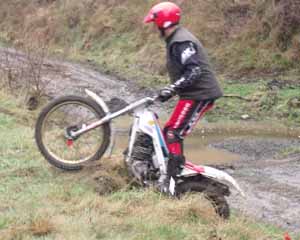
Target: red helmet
{"points": [[164, 15]]}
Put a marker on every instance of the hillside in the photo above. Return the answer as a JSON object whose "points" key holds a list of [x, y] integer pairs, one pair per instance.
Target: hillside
{"points": [[254, 46], [244, 37]]}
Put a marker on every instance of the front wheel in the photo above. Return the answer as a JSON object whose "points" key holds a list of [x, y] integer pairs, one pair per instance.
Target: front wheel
{"points": [[214, 192], [58, 119]]}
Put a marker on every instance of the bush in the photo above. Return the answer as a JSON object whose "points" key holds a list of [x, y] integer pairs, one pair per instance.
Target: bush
{"points": [[280, 19]]}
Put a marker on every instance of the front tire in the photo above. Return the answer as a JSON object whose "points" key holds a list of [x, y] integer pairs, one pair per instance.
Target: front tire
{"points": [[66, 114], [214, 192]]}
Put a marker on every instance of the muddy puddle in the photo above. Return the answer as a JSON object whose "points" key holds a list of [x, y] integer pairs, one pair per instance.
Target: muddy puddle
{"points": [[197, 148]]}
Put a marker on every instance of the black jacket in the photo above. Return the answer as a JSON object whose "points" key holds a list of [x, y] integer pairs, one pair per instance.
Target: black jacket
{"points": [[189, 70]]}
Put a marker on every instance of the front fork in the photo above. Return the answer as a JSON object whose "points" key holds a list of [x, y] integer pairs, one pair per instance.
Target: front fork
{"points": [[132, 139]]}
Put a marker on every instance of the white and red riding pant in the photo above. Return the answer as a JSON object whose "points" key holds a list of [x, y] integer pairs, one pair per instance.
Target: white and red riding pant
{"points": [[182, 121]]}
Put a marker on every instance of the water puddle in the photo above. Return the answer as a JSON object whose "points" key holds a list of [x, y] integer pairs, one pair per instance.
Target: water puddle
{"points": [[198, 151], [197, 148]]}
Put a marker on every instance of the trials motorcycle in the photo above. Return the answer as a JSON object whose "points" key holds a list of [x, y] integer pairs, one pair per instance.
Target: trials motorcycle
{"points": [[73, 130]]}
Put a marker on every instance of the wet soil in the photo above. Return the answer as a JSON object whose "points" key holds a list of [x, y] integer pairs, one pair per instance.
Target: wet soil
{"points": [[271, 182], [61, 78]]}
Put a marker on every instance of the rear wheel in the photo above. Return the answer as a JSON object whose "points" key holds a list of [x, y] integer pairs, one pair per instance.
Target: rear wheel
{"points": [[214, 192], [58, 119]]}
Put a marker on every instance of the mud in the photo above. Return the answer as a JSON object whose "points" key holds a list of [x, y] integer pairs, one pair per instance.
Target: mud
{"points": [[65, 78], [271, 182]]}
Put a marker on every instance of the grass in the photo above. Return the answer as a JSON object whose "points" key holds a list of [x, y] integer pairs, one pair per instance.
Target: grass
{"points": [[41, 202], [289, 151], [261, 104]]}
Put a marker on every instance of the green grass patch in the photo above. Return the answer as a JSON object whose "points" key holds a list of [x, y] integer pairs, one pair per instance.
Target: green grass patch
{"points": [[260, 103], [289, 151], [241, 89], [288, 93]]}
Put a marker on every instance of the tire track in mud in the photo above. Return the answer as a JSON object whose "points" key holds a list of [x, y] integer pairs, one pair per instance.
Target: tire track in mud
{"points": [[65, 78]]}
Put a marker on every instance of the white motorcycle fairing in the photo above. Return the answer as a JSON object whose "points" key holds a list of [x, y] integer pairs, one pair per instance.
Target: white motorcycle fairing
{"points": [[147, 123]]}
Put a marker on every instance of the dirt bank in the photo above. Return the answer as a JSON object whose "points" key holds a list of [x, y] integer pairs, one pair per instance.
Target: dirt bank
{"points": [[65, 78]]}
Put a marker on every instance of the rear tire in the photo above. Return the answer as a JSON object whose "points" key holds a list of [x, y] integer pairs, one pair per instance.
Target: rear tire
{"points": [[213, 191], [83, 107]]}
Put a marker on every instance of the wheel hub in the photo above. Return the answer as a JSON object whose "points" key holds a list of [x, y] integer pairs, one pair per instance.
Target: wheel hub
{"points": [[69, 131]]}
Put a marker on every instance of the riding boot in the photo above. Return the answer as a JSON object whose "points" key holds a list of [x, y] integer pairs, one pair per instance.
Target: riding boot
{"points": [[174, 168], [175, 165]]}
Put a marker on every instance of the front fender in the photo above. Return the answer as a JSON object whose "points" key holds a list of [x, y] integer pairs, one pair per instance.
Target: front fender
{"points": [[106, 110], [98, 100]]}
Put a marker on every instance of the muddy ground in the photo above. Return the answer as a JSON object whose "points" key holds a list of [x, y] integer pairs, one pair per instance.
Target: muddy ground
{"points": [[271, 184], [60, 78]]}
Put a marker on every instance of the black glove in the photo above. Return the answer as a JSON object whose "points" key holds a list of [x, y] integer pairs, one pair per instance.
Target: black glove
{"points": [[166, 93]]}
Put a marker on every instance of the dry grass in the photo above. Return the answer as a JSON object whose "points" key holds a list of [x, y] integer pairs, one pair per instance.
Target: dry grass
{"points": [[37, 228], [112, 34], [41, 227]]}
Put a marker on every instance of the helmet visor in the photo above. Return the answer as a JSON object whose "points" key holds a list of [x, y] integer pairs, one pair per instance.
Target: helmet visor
{"points": [[149, 18]]}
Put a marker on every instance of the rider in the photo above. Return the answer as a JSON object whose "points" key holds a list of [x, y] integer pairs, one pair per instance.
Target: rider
{"points": [[192, 79]]}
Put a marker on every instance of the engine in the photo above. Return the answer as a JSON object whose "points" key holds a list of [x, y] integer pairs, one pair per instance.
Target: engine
{"points": [[141, 158], [142, 148]]}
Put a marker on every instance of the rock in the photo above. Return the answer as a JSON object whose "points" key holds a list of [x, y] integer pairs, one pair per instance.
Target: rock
{"points": [[245, 116], [32, 103], [67, 74], [116, 104], [294, 102], [275, 84]]}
